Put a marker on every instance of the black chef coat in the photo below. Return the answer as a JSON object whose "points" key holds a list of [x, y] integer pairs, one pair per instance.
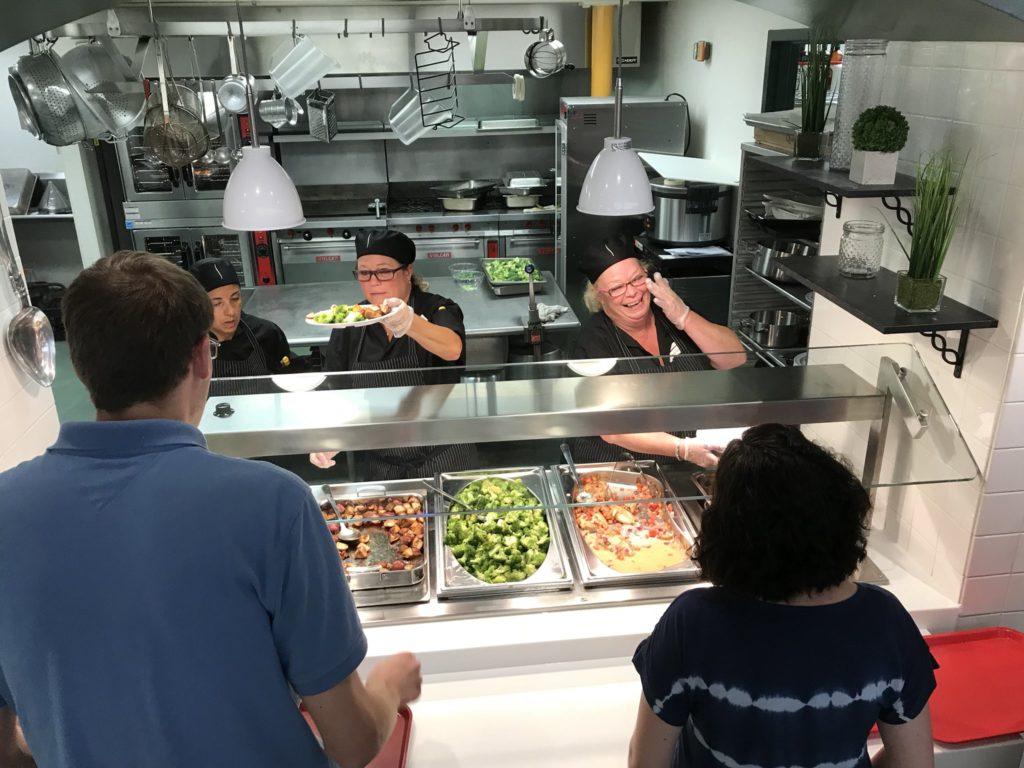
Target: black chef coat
{"points": [[349, 347], [272, 341]]}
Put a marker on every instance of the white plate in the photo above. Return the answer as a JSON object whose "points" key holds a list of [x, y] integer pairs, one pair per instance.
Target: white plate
{"points": [[597, 367], [298, 382], [357, 324]]}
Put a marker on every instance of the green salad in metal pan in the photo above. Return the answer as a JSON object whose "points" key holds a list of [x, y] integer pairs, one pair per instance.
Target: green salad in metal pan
{"points": [[511, 270], [498, 547]]}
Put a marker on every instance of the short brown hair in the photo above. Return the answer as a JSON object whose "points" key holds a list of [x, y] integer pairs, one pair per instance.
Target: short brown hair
{"points": [[132, 321]]}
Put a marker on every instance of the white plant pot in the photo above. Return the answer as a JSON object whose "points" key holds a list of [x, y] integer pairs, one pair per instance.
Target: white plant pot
{"points": [[873, 167]]}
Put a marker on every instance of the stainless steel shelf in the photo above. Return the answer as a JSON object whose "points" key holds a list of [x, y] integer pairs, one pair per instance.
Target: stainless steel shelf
{"points": [[42, 216], [440, 133], [781, 290], [767, 356]]}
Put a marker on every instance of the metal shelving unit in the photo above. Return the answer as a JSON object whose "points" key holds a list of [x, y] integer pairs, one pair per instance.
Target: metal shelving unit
{"points": [[782, 290]]}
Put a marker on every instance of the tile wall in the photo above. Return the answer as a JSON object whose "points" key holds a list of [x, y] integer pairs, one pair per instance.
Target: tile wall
{"points": [[28, 418], [969, 96]]}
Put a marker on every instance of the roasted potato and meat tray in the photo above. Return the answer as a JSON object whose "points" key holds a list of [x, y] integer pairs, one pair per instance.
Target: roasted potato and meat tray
{"points": [[388, 537]]}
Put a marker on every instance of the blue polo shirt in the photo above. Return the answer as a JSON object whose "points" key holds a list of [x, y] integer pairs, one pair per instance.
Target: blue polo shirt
{"points": [[159, 603]]}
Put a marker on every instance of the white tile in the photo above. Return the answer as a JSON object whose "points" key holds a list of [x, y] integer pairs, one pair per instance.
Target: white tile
{"points": [[954, 543], [1009, 56], [949, 54], [896, 53], [1001, 513], [1018, 562], [1002, 335], [992, 158], [943, 88], [923, 53], [1006, 472], [1013, 620], [1010, 433], [974, 255], [986, 373], [1015, 594], [985, 594], [992, 555], [979, 55], [1006, 98], [981, 621], [1015, 388], [972, 98], [913, 93]]}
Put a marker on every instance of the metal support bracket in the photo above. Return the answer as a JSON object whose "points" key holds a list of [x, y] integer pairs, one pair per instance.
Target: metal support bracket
{"points": [[954, 357], [903, 215], [838, 204]]}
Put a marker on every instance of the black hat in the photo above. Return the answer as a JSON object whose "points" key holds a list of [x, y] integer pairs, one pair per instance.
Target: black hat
{"points": [[214, 273], [598, 257], [386, 242]]}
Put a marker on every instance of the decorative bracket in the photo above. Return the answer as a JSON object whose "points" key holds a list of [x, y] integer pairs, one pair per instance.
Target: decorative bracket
{"points": [[954, 357], [903, 216], [838, 204]]}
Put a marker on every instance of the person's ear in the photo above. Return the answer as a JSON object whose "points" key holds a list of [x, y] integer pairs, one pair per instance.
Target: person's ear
{"points": [[202, 363]]}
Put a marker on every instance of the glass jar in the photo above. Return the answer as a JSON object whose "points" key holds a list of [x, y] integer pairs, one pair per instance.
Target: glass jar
{"points": [[860, 250], [860, 87]]}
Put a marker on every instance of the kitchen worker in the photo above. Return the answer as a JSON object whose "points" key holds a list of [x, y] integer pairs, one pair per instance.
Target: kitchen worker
{"points": [[189, 596], [422, 331], [639, 317], [248, 345]]}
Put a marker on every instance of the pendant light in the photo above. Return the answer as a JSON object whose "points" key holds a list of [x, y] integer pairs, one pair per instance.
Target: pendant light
{"points": [[616, 183], [260, 195]]}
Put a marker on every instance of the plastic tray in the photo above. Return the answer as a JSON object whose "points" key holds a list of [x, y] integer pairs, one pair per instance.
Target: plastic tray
{"points": [[980, 681]]}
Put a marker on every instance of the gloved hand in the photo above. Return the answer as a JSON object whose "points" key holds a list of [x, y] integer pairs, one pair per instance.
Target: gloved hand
{"points": [[675, 308], [323, 460], [399, 319], [702, 454]]}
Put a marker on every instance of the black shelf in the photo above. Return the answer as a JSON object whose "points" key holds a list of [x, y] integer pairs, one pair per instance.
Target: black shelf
{"points": [[871, 301], [837, 182]]}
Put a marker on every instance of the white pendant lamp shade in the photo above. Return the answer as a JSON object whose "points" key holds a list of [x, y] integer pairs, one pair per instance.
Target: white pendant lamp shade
{"points": [[260, 195], [616, 184]]}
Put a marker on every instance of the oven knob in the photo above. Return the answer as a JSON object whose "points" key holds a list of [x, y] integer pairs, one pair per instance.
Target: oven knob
{"points": [[346, 234], [468, 227], [330, 232], [291, 233], [419, 227], [455, 227], [307, 235], [430, 227]]}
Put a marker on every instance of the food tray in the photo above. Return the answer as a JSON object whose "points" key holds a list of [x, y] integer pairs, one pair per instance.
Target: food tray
{"points": [[454, 581], [513, 288], [591, 571], [979, 683], [362, 578]]}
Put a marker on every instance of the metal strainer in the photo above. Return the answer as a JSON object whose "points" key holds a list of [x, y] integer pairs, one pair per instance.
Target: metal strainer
{"points": [[45, 100], [173, 133], [545, 57]]}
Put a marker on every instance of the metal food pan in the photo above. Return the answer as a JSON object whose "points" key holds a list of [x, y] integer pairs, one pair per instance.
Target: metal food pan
{"points": [[454, 581], [591, 571], [513, 287], [372, 577]]}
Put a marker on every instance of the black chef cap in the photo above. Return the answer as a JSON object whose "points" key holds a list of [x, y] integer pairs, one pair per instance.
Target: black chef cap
{"points": [[598, 257], [214, 273], [385, 242]]}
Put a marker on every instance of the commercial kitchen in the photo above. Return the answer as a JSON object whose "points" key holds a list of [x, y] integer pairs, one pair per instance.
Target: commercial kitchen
{"points": [[479, 132]]}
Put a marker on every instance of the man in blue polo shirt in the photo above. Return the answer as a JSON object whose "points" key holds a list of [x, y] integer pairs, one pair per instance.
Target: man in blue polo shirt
{"points": [[159, 603]]}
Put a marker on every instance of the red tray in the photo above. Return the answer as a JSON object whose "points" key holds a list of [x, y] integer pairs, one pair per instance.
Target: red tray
{"points": [[395, 751], [980, 684]]}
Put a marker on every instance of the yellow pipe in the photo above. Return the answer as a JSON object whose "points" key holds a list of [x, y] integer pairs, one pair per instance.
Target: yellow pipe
{"points": [[602, 26]]}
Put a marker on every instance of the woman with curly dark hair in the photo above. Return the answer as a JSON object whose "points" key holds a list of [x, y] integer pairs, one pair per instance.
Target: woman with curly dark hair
{"points": [[786, 660]]}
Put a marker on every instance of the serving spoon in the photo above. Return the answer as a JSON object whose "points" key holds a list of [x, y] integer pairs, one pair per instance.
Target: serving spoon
{"points": [[30, 335], [345, 533], [582, 497]]}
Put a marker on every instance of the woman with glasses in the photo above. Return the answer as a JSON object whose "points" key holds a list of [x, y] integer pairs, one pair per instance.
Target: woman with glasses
{"points": [[422, 331], [644, 323], [246, 345]]}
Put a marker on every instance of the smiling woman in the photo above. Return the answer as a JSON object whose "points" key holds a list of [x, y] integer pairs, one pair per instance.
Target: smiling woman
{"points": [[642, 321]]}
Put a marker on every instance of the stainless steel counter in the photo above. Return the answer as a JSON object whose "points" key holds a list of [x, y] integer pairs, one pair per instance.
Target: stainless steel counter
{"points": [[388, 417], [485, 313]]}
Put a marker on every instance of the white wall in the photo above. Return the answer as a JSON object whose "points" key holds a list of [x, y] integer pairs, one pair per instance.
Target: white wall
{"points": [[970, 97], [18, 149], [719, 91], [28, 418]]}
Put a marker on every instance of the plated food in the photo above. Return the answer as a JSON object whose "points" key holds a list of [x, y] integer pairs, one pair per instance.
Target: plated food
{"points": [[631, 535], [347, 315], [498, 547], [388, 538], [511, 270]]}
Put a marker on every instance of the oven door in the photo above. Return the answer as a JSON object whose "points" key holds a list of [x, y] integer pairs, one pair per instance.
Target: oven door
{"points": [[434, 255], [538, 248], [323, 260], [236, 247], [175, 245], [207, 180], [143, 176]]}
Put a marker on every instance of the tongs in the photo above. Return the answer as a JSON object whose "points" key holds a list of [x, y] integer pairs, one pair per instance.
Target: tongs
{"points": [[345, 533], [581, 496]]}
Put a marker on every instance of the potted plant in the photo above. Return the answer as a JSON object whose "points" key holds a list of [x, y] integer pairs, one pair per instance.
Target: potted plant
{"points": [[878, 136], [811, 141], [937, 212]]}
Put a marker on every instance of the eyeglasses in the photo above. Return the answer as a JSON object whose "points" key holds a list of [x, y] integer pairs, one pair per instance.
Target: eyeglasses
{"points": [[618, 290], [382, 275], [214, 348]]}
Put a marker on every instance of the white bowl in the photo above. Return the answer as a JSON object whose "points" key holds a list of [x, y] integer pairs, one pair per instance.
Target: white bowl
{"points": [[596, 367], [299, 382]]}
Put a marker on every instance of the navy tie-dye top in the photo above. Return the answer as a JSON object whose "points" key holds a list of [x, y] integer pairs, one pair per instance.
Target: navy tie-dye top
{"points": [[762, 685]]}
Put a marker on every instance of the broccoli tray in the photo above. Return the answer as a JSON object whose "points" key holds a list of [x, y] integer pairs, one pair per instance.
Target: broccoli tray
{"points": [[501, 538]]}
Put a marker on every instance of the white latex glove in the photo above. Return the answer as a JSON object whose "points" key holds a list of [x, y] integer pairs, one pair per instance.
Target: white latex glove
{"points": [[322, 459], [675, 308], [702, 454], [399, 319]]}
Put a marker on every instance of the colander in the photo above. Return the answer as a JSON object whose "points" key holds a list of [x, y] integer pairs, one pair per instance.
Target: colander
{"points": [[45, 100], [545, 57]]}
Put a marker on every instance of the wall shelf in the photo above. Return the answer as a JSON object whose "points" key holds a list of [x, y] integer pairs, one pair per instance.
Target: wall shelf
{"points": [[871, 301]]}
